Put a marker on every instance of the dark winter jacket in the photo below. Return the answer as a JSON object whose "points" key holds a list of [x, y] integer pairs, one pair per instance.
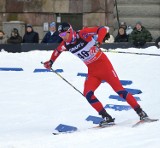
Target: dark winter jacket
{"points": [[31, 37], [55, 38], [121, 38], [157, 42], [15, 40], [140, 36], [15, 37]]}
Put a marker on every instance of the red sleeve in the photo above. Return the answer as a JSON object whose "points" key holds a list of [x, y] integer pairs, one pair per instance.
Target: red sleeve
{"points": [[87, 33], [58, 51], [102, 31]]}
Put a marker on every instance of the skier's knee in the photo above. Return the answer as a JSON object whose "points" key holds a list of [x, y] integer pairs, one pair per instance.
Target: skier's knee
{"points": [[123, 93], [89, 96]]}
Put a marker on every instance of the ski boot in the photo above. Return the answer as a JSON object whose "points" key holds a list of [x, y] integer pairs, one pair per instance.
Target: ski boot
{"points": [[141, 113], [107, 120], [143, 117]]}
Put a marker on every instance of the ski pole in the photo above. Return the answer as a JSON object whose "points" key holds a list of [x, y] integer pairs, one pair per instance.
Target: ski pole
{"points": [[65, 80], [137, 53]]}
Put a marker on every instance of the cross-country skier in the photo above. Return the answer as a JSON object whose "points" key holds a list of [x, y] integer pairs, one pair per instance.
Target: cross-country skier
{"points": [[82, 45]]}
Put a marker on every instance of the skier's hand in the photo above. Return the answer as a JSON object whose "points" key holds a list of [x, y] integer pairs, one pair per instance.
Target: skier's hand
{"points": [[95, 48], [97, 44], [48, 64]]}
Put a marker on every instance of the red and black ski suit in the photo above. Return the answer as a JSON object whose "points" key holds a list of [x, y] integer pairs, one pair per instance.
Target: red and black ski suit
{"points": [[99, 66]]}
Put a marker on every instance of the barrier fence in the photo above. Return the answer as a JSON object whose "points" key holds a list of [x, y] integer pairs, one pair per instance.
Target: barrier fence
{"points": [[25, 47]]}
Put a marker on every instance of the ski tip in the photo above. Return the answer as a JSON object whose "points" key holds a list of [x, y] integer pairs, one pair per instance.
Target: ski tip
{"points": [[55, 133], [59, 133], [147, 120]]}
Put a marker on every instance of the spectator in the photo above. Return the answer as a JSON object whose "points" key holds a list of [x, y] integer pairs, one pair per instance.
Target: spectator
{"points": [[15, 37], [140, 35], [52, 36], [157, 42], [128, 29], [123, 25], [108, 38], [3, 39], [30, 36], [121, 36]]}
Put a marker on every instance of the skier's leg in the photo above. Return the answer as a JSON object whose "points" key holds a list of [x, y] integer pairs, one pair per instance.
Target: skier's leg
{"points": [[118, 88], [133, 103], [91, 84]]}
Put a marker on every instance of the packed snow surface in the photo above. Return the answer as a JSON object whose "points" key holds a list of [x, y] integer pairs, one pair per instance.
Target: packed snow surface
{"points": [[32, 104]]}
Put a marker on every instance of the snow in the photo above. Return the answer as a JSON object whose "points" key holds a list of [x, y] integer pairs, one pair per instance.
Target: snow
{"points": [[32, 104]]}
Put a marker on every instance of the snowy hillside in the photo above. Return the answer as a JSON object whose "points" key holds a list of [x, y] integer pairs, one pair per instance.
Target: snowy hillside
{"points": [[33, 104]]}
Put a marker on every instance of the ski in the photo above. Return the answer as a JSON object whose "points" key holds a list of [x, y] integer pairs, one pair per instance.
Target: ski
{"points": [[59, 133], [105, 125], [146, 120], [94, 127]]}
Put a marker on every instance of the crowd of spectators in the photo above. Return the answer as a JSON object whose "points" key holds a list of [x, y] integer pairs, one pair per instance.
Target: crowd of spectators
{"points": [[30, 36], [137, 36]]}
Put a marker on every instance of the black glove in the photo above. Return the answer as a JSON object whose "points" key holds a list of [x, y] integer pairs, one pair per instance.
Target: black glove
{"points": [[97, 44]]}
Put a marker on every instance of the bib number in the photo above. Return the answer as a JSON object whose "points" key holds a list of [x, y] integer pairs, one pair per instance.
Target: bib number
{"points": [[83, 54]]}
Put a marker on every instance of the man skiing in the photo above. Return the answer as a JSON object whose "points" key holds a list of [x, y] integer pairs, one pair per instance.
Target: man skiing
{"points": [[82, 45]]}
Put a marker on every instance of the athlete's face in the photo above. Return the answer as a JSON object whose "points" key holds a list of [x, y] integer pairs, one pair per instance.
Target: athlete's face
{"points": [[64, 35]]}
